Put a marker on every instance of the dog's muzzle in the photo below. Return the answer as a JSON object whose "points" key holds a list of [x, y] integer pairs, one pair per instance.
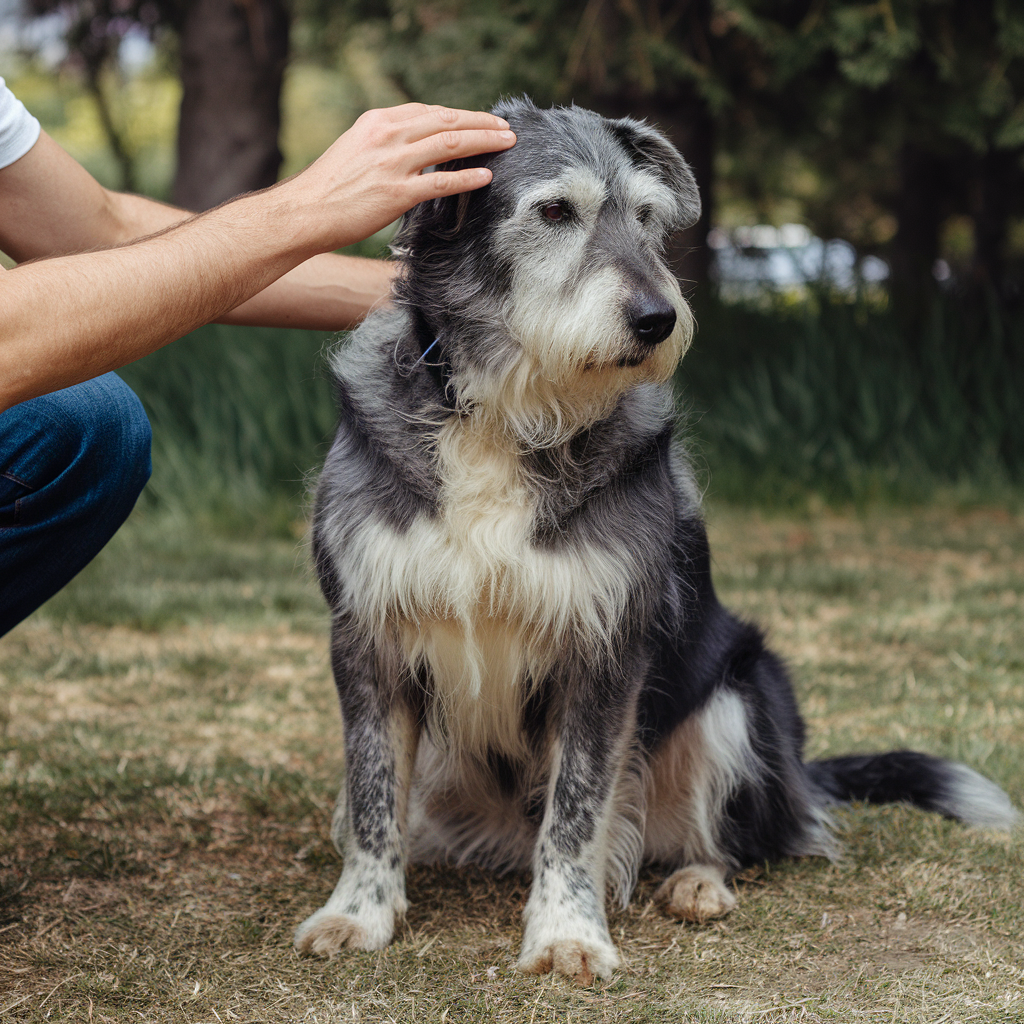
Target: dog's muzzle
{"points": [[652, 320]]}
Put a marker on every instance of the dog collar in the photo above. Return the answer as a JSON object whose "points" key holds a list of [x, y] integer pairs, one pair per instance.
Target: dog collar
{"points": [[426, 351], [439, 370]]}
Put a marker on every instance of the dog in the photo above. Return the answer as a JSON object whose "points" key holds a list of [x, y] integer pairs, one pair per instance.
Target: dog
{"points": [[533, 668]]}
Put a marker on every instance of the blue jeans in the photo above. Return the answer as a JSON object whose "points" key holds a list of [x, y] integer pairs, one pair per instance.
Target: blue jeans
{"points": [[72, 465]]}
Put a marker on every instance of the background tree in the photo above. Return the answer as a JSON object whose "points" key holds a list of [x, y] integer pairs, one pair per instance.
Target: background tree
{"points": [[882, 123], [930, 91], [232, 55], [903, 113]]}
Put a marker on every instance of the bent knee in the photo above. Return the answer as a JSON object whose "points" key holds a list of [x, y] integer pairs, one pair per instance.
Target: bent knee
{"points": [[119, 439], [128, 429], [93, 439]]}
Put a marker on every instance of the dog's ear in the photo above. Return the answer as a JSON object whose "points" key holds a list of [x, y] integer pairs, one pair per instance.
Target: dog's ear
{"points": [[442, 220], [649, 148], [433, 220]]}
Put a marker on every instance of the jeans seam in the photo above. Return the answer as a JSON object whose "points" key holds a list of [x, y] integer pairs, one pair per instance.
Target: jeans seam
{"points": [[17, 480], [16, 521]]}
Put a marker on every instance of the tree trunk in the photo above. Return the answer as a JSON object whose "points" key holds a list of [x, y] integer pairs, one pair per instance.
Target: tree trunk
{"points": [[996, 186], [233, 55], [921, 207]]}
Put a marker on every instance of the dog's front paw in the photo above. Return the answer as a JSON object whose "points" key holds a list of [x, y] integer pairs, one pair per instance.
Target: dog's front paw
{"points": [[325, 933], [577, 959], [696, 893]]}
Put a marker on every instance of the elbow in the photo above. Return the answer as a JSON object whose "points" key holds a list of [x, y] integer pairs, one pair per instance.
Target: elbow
{"points": [[116, 214]]}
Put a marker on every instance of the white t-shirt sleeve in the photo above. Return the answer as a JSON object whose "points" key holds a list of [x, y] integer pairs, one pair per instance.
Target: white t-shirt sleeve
{"points": [[19, 130]]}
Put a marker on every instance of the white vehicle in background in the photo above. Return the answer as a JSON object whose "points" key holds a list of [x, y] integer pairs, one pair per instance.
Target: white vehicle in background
{"points": [[748, 261]]}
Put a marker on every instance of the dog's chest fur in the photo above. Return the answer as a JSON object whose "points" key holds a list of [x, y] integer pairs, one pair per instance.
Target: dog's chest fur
{"points": [[476, 601]]}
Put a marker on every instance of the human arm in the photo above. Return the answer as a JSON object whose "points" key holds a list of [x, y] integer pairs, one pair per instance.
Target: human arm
{"points": [[53, 206], [327, 292], [69, 318]]}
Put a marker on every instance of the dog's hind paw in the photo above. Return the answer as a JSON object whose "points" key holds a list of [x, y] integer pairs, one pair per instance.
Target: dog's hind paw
{"points": [[325, 935], [577, 960], [696, 893]]}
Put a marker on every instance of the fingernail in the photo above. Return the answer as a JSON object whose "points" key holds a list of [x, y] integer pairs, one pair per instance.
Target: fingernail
{"points": [[502, 120], [507, 135]]}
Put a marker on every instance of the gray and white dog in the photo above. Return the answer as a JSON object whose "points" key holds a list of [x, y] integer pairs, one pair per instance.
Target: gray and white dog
{"points": [[533, 668]]}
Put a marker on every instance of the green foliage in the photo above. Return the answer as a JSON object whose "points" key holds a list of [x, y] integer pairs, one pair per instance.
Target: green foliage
{"points": [[240, 416], [469, 52], [834, 91], [826, 396], [836, 398], [861, 89], [949, 68], [813, 103]]}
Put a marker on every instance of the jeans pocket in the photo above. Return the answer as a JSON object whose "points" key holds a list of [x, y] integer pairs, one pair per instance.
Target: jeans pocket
{"points": [[12, 490]]}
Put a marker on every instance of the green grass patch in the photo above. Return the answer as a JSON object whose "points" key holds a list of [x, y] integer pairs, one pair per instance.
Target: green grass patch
{"points": [[848, 401], [168, 570], [240, 416]]}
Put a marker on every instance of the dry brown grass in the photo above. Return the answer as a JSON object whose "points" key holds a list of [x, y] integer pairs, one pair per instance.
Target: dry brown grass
{"points": [[166, 795]]}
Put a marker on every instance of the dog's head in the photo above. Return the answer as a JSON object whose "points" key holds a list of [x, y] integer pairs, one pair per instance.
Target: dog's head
{"points": [[548, 288]]}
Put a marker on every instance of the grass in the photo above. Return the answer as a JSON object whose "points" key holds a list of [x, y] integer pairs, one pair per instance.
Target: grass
{"points": [[852, 402], [820, 398], [169, 750], [240, 416]]}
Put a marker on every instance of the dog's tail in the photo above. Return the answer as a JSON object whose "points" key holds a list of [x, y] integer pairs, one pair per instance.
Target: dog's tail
{"points": [[904, 776]]}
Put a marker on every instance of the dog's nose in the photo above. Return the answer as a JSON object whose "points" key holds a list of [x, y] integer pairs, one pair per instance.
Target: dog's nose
{"points": [[653, 322]]}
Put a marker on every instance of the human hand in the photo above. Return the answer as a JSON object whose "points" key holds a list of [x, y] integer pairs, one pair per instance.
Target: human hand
{"points": [[371, 175]]}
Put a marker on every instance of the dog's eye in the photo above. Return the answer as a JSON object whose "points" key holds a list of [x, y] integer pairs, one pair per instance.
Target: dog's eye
{"points": [[555, 211], [643, 214]]}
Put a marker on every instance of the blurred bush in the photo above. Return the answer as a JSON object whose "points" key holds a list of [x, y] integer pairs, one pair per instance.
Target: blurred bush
{"points": [[147, 114], [846, 400], [240, 416], [826, 398]]}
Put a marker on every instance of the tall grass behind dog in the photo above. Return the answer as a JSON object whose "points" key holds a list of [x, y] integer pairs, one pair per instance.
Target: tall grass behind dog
{"points": [[533, 668]]}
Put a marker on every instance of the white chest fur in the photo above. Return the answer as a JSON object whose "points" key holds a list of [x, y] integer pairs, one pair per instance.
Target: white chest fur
{"points": [[471, 597]]}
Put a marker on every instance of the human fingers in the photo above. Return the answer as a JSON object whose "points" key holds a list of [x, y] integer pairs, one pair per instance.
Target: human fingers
{"points": [[433, 118], [449, 183], [437, 120], [454, 145], [401, 112]]}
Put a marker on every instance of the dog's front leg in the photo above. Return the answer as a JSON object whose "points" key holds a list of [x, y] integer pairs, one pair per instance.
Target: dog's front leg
{"points": [[566, 927], [381, 734]]}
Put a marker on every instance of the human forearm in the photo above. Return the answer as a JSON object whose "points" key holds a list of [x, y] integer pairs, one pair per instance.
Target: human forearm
{"points": [[72, 318], [93, 217], [326, 293]]}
